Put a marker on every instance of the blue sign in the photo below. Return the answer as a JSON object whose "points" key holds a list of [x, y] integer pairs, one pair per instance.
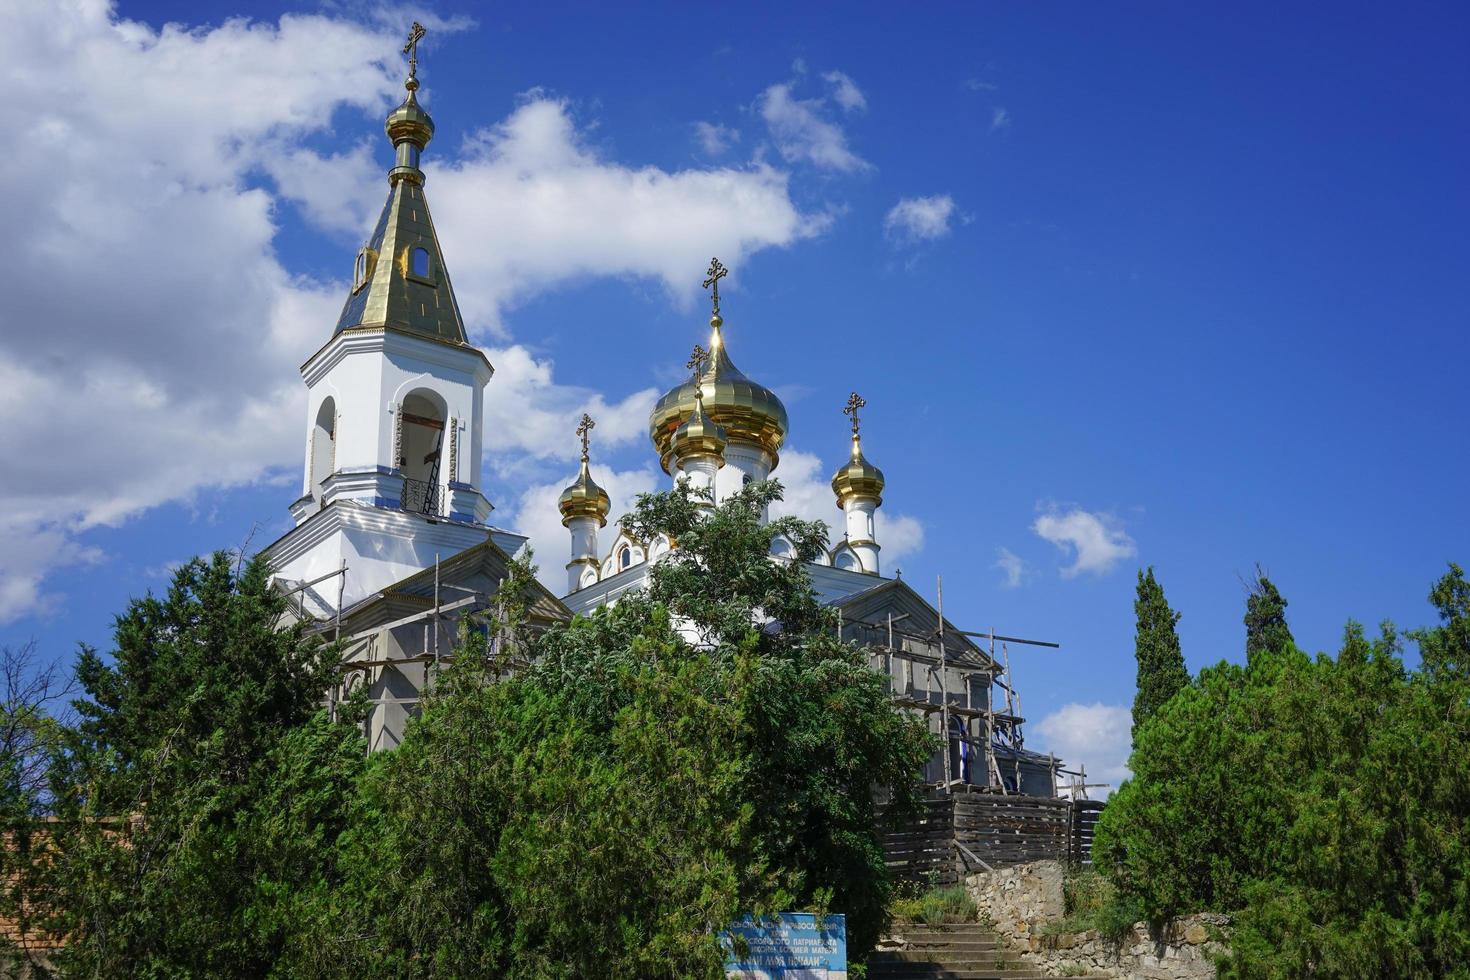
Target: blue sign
{"points": [[790, 946]]}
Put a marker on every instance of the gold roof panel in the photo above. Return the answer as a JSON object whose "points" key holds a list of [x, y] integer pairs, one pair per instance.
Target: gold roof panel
{"points": [[748, 411]]}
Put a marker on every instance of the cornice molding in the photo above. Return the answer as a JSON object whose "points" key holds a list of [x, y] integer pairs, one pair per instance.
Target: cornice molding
{"points": [[343, 516], [389, 341]]}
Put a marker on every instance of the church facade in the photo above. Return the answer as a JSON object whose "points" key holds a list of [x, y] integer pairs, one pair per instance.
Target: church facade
{"points": [[393, 540]]}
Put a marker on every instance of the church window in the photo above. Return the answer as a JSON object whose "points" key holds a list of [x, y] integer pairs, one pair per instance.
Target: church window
{"points": [[323, 446], [362, 269], [418, 263], [421, 418], [625, 558]]}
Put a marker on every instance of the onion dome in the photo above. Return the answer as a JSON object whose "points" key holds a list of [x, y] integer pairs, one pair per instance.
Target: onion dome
{"points": [[857, 477], [584, 498], [698, 436], [748, 411], [410, 122]]}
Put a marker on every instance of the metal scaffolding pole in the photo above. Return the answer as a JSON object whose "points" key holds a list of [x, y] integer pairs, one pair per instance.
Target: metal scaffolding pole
{"points": [[943, 682]]}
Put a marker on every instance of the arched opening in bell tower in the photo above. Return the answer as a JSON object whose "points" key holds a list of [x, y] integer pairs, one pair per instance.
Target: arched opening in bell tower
{"points": [[323, 445], [421, 449]]}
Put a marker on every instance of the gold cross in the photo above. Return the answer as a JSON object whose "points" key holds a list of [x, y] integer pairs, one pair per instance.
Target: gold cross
{"points": [[697, 361], [854, 402], [415, 35], [583, 428], [715, 273]]}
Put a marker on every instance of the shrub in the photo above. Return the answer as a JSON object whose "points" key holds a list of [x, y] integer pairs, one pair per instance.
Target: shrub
{"points": [[952, 904], [1322, 801]]}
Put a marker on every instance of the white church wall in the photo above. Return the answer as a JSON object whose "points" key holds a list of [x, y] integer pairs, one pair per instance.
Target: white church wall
{"points": [[381, 546], [607, 591], [742, 460], [369, 375]]}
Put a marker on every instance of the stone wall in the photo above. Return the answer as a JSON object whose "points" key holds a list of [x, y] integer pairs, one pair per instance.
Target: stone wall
{"points": [[1019, 898], [1020, 901]]}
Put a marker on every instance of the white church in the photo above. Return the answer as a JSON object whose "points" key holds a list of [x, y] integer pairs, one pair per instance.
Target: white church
{"points": [[393, 540]]}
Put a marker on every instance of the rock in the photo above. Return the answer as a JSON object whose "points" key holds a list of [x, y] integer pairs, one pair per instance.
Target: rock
{"points": [[1196, 934]]}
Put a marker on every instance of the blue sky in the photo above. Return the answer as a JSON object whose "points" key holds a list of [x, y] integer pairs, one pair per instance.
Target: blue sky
{"points": [[1182, 286]]}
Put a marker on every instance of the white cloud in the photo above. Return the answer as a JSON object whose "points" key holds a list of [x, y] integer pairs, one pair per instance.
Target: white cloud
{"points": [[152, 333], [30, 552], [919, 219], [808, 491], [808, 486], [340, 193], [535, 207], [1013, 565], [154, 337], [999, 118], [715, 139], [803, 134], [979, 85], [526, 412], [536, 515], [1097, 542], [845, 91], [901, 536], [1096, 735]]}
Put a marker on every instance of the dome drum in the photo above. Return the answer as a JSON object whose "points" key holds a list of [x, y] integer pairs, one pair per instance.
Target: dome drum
{"points": [[697, 437]]}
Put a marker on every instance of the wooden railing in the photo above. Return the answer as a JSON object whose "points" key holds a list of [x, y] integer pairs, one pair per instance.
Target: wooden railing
{"points": [[967, 833], [1084, 823]]}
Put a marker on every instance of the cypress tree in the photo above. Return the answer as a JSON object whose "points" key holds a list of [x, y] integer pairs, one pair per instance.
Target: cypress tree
{"points": [[1265, 618], [1161, 671]]}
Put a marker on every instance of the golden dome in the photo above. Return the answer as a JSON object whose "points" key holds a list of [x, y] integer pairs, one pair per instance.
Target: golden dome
{"points": [[698, 436], [584, 498], [409, 122], [748, 412], [857, 477]]}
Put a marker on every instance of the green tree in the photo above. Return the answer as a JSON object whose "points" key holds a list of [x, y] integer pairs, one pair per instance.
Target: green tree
{"points": [[1324, 802], [819, 724], [1265, 618], [1161, 671], [32, 724], [199, 797], [609, 809]]}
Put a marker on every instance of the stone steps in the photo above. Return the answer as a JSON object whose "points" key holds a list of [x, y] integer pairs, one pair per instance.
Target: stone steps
{"points": [[962, 951]]}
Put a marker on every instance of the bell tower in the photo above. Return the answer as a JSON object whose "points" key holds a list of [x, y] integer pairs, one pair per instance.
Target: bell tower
{"points": [[395, 399]]}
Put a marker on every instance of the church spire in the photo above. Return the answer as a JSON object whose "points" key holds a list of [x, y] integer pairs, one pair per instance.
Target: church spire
{"points": [[409, 126], [584, 506], [858, 485], [399, 280]]}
